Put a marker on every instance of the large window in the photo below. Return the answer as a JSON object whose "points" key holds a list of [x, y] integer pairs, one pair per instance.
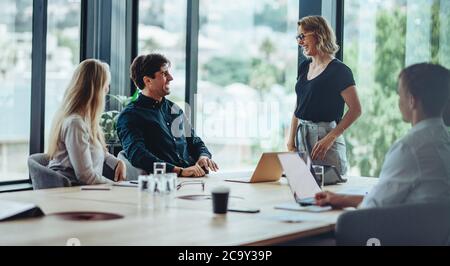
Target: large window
{"points": [[247, 71], [162, 29], [63, 37], [63, 53], [247, 67], [15, 87], [381, 37]]}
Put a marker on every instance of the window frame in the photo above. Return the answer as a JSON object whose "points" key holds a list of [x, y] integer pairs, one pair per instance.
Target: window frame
{"points": [[38, 89], [96, 41]]}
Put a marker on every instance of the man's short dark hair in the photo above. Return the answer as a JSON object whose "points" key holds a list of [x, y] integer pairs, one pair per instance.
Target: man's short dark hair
{"points": [[146, 65], [429, 83]]}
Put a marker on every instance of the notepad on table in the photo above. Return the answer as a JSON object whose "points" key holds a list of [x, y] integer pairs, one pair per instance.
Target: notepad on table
{"points": [[11, 210]]}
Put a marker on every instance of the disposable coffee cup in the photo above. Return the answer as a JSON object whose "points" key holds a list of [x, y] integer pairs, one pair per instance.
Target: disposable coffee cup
{"points": [[220, 199]]}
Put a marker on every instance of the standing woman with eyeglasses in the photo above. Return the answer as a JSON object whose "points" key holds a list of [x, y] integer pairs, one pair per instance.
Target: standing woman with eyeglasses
{"points": [[324, 86], [77, 146]]}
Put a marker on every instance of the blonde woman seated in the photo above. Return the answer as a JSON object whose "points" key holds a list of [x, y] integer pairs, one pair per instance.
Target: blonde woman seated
{"points": [[77, 147]]}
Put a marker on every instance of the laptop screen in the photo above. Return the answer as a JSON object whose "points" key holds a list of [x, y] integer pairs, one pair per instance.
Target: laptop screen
{"points": [[301, 181]]}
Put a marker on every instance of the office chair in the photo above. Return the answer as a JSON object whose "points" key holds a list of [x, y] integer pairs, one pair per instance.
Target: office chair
{"points": [[43, 177], [132, 172], [424, 224]]}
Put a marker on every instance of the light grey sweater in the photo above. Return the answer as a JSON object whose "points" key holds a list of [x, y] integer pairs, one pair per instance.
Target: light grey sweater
{"points": [[77, 157]]}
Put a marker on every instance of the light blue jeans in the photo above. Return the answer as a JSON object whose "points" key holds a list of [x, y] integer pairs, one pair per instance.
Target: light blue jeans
{"points": [[309, 133]]}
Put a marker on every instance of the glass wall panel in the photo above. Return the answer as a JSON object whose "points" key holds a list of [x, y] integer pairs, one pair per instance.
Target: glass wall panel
{"points": [[63, 53], [15, 87], [162, 29], [382, 37], [247, 72]]}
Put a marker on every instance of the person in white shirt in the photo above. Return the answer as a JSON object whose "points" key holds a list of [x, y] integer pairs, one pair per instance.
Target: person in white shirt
{"points": [[77, 146], [417, 167]]}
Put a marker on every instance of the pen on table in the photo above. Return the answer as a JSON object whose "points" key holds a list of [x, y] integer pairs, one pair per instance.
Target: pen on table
{"points": [[95, 188]]}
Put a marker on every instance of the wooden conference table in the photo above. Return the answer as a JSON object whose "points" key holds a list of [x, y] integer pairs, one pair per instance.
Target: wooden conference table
{"points": [[182, 222]]}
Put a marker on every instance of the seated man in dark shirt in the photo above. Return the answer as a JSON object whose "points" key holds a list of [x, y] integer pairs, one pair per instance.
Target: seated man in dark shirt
{"points": [[154, 129]]}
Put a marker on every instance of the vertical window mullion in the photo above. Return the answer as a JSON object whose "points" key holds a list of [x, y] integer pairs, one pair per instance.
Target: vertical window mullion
{"points": [[134, 38], [84, 30], [39, 54], [340, 28], [192, 31], [96, 30], [122, 19]]}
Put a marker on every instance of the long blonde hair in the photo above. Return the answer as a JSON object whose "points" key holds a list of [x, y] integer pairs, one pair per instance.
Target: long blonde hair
{"points": [[325, 36], [84, 96]]}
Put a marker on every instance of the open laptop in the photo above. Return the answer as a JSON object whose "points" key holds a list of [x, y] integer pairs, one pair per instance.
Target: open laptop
{"points": [[301, 181], [268, 170]]}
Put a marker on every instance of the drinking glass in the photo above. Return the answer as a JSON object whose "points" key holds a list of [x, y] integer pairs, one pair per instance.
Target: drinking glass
{"points": [[319, 173]]}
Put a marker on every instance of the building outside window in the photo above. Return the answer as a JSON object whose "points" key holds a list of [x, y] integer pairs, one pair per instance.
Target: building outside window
{"points": [[63, 53], [247, 64], [63, 46], [15, 87]]}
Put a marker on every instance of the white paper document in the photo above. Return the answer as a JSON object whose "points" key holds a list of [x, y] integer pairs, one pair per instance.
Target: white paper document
{"points": [[293, 206]]}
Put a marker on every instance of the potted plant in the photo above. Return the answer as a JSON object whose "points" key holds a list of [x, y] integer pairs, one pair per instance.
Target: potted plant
{"points": [[108, 122]]}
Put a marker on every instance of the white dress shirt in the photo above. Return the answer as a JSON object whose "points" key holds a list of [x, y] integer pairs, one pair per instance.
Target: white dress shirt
{"points": [[416, 168]]}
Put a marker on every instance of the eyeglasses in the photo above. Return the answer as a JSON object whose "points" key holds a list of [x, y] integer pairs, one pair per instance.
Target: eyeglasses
{"points": [[184, 183], [302, 36]]}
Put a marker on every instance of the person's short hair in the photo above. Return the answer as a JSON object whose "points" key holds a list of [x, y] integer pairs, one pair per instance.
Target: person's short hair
{"points": [[325, 36], [429, 83], [146, 65]]}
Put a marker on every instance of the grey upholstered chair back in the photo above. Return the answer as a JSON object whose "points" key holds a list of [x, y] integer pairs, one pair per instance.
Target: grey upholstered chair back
{"points": [[413, 224], [42, 176], [132, 172]]}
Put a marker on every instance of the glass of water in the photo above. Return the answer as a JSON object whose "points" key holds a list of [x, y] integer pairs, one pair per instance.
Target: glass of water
{"points": [[319, 173], [159, 168]]}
